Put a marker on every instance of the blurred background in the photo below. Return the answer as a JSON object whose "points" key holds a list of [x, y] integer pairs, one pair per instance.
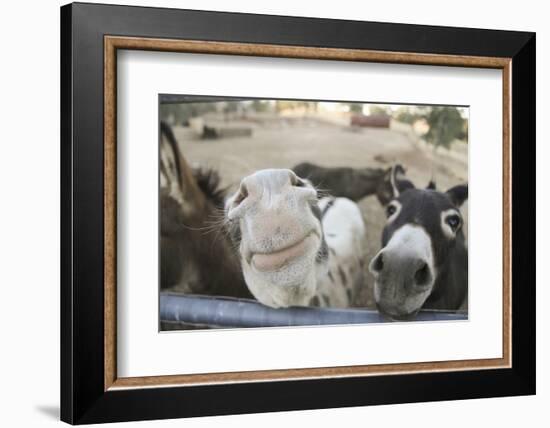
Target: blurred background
{"points": [[239, 136]]}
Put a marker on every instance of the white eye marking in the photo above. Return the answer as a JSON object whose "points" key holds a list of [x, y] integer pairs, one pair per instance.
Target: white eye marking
{"points": [[449, 218], [392, 211]]}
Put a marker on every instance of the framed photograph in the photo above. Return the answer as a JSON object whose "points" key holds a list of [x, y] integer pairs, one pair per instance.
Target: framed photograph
{"points": [[266, 213]]}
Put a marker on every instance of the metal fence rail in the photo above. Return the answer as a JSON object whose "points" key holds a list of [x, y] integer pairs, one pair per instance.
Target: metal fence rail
{"points": [[230, 312]]}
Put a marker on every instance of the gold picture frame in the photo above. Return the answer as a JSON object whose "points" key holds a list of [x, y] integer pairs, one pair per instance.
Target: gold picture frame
{"points": [[114, 43]]}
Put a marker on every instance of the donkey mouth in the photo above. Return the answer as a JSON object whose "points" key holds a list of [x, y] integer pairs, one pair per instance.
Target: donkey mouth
{"points": [[396, 315], [276, 260]]}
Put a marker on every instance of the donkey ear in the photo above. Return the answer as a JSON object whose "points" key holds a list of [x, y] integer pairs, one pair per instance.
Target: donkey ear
{"points": [[431, 185], [458, 194], [394, 183], [398, 181]]}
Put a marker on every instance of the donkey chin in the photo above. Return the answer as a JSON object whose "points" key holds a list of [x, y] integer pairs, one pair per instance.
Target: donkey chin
{"points": [[401, 294], [399, 307], [285, 274], [404, 274]]}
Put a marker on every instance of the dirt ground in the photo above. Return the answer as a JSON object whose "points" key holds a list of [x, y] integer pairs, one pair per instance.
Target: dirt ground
{"points": [[285, 143]]}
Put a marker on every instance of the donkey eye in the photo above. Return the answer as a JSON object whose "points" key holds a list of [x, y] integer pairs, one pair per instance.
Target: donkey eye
{"points": [[453, 221], [393, 210]]}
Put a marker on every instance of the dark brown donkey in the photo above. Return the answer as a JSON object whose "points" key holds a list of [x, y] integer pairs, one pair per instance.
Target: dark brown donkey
{"points": [[423, 262], [351, 183], [196, 255]]}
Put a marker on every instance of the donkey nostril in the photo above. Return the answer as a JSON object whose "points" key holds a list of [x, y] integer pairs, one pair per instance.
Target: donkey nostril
{"points": [[423, 277], [242, 195], [378, 263]]}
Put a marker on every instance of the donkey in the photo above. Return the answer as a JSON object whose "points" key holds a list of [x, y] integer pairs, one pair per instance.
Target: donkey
{"points": [[295, 249], [423, 262], [351, 183], [193, 260]]}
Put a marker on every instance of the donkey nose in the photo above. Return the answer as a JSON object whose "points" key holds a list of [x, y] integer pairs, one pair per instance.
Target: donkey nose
{"points": [[391, 264], [423, 275], [377, 263]]}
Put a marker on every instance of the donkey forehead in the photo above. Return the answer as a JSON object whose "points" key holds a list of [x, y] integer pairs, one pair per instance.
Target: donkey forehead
{"points": [[269, 180], [424, 202], [422, 207]]}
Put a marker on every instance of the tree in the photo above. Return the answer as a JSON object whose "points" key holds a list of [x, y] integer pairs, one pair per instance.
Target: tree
{"points": [[261, 106], [406, 114], [182, 112], [380, 110], [446, 124], [355, 107]]}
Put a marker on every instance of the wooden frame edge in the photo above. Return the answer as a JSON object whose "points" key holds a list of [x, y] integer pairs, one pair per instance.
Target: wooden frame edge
{"points": [[301, 52], [301, 374], [112, 43], [109, 198], [507, 213]]}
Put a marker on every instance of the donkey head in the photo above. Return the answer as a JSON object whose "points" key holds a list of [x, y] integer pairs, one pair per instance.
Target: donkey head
{"points": [[274, 220], [422, 238]]}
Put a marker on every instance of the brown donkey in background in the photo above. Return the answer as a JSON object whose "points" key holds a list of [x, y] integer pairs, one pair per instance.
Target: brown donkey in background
{"points": [[196, 255]]}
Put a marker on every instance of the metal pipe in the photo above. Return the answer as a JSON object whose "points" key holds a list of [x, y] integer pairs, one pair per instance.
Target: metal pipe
{"points": [[230, 312]]}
